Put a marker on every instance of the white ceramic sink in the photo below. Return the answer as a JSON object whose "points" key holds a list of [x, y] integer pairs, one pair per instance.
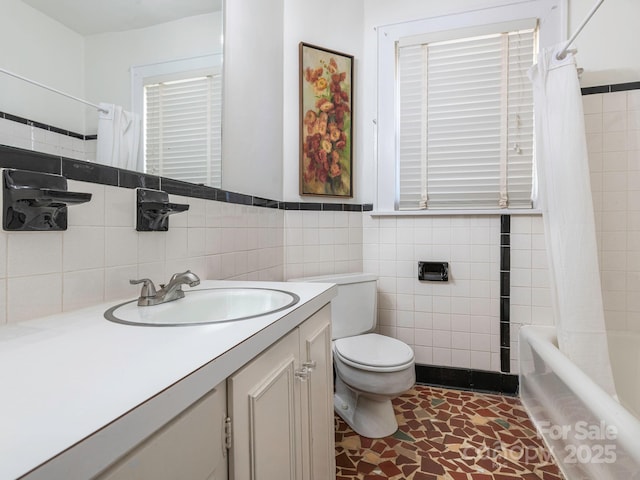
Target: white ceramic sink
{"points": [[213, 305]]}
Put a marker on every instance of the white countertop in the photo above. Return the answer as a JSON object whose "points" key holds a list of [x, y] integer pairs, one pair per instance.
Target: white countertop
{"points": [[70, 378]]}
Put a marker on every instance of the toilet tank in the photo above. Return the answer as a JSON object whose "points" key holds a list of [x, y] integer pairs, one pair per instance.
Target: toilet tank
{"points": [[354, 309]]}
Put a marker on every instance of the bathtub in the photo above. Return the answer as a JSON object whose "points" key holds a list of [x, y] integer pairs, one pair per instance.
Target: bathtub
{"points": [[591, 435]]}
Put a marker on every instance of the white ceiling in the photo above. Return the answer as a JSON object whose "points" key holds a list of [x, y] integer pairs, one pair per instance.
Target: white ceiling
{"points": [[88, 17]]}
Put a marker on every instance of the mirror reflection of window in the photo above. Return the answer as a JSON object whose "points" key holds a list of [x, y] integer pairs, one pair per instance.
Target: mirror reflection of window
{"points": [[182, 129], [181, 106]]}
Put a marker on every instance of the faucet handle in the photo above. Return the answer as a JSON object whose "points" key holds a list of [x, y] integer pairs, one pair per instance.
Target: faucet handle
{"points": [[148, 288]]}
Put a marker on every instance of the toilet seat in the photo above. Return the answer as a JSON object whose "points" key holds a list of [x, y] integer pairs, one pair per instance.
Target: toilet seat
{"points": [[374, 353]]}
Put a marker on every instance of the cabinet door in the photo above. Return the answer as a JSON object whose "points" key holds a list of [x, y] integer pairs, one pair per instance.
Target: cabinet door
{"points": [[264, 409], [190, 446], [317, 397]]}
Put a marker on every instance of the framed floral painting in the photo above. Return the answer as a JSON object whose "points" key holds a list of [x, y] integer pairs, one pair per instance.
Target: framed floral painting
{"points": [[326, 119]]}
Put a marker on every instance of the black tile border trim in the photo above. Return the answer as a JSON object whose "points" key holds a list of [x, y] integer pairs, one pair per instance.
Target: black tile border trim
{"points": [[467, 379], [505, 293], [617, 87], [80, 170], [44, 126]]}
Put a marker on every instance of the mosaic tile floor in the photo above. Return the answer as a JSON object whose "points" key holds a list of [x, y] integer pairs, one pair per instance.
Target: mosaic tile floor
{"points": [[448, 435]]}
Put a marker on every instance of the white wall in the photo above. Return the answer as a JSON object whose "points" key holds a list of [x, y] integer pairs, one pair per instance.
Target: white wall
{"points": [[261, 100], [95, 68], [337, 26], [39, 48], [607, 47], [109, 56], [253, 98]]}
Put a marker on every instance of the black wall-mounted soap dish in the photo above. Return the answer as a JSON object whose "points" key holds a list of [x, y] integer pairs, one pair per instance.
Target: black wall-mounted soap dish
{"points": [[153, 210], [35, 201]]}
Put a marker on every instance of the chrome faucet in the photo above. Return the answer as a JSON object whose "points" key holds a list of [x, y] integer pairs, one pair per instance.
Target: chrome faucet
{"points": [[167, 293]]}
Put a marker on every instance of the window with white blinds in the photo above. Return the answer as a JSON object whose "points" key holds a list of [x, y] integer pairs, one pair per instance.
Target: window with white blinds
{"points": [[465, 137], [183, 121]]}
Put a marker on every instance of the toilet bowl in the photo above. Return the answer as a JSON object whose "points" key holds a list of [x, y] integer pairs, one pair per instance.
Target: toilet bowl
{"points": [[368, 378], [371, 369]]}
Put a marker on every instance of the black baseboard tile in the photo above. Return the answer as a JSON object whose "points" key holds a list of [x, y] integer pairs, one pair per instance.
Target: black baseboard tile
{"points": [[332, 207], [467, 379], [505, 359], [616, 87], [289, 206], [505, 223], [505, 284], [505, 309], [89, 172], [265, 202], [595, 90], [310, 206], [352, 207], [505, 334], [129, 179], [623, 87], [11, 157], [84, 171], [505, 257]]}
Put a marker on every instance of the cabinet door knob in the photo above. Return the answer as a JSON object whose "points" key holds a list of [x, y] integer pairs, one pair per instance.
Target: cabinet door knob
{"points": [[310, 365]]}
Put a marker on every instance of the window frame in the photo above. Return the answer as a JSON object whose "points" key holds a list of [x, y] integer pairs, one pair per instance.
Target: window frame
{"points": [[552, 19]]}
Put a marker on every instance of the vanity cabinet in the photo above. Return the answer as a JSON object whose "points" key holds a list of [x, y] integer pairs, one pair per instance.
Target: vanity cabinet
{"points": [[192, 446], [244, 399], [281, 408], [271, 419]]}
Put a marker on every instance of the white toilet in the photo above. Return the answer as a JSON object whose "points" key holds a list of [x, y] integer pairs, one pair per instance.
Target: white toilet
{"points": [[371, 369]]}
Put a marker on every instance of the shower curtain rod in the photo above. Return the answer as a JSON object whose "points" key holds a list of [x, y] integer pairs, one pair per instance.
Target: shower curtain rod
{"points": [[38, 84], [565, 50]]}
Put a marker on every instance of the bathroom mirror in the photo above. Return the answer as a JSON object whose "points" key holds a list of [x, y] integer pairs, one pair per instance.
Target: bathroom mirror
{"points": [[104, 43]]}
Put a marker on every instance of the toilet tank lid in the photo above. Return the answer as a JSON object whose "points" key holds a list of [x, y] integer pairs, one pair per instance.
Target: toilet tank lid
{"points": [[338, 278]]}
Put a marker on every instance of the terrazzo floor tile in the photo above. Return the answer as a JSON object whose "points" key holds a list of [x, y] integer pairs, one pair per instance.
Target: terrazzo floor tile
{"points": [[448, 435]]}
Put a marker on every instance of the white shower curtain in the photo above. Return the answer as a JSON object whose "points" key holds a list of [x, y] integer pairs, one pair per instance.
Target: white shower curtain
{"points": [[118, 137], [565, 198]]}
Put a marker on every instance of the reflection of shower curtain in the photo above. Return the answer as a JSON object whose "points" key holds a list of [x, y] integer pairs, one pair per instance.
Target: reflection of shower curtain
{"points": [[565, 198], [118, 137]]}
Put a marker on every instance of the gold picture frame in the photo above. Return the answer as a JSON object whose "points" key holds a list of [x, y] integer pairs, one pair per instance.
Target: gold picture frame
{"points": [[326, 122]]}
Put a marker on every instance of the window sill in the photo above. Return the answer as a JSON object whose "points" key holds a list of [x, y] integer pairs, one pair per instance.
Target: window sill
{"points": [[470, 212]]}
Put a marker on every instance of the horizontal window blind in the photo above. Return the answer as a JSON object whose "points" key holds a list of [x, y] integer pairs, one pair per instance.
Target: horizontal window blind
{"points": [[182, 129], [466, 123]]}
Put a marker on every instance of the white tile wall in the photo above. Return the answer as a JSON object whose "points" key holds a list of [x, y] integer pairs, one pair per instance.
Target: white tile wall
{"points": [[29, 137], [613, 133], [451, 324], [454, 324], [94, 259], [530, 300], [322, 242]]}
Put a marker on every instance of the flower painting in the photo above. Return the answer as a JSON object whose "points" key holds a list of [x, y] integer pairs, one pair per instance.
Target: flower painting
{"points": [[326, 101]]}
